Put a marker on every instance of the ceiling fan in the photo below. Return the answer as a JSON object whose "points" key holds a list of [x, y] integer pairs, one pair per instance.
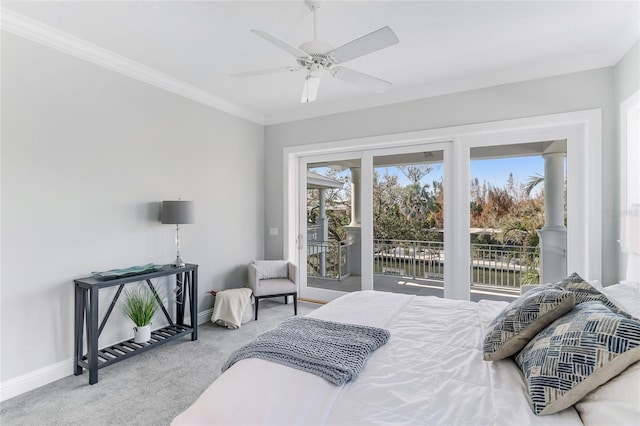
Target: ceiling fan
{"points": [[317, 56]]}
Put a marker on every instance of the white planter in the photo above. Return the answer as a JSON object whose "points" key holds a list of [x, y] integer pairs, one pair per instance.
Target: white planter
{"points": [[142, 334]]}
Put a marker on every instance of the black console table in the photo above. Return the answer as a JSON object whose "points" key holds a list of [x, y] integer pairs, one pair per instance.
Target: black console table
{"points": [[86, 314]]}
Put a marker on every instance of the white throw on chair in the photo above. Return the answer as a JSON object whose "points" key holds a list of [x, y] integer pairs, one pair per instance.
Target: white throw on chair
{"points": [[273, 278]]}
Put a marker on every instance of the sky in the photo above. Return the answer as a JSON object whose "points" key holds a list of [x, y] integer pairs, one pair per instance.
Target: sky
{"points": [[497, 171], [494, 171]]}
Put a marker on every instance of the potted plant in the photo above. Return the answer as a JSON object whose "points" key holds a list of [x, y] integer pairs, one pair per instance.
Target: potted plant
{"points": [[140, 305]]}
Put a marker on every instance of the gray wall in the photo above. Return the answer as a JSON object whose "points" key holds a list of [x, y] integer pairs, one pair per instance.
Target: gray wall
{"points": [[627, 72], [571, 92], [87, 155], [627, 83]]}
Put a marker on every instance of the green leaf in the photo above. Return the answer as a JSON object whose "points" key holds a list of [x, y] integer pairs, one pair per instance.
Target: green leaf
{"points": [[139, 304]]}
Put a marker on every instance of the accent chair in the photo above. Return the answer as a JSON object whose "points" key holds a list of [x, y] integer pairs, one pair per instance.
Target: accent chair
{"points": [[273, 278]]}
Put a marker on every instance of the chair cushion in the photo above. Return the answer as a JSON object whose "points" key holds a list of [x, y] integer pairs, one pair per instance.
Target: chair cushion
{"points": [[268, 269], [274, 286]]}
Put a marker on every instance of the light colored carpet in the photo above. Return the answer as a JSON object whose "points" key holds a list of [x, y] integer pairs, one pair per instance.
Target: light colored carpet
{"points": [[147, 389]]}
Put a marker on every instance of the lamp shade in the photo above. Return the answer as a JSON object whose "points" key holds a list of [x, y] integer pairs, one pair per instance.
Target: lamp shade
{"points": [[177, 212]]}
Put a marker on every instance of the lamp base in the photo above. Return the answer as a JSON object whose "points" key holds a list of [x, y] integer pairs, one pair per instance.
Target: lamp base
{"points": [[179, 262]]}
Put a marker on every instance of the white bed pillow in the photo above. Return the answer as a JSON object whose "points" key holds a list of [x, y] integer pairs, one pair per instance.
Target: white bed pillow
{"points": [[626, 295], [617, 402]]}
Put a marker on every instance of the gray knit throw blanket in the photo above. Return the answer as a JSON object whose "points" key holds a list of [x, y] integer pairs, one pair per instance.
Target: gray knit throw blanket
{"points": [[334, 351]]}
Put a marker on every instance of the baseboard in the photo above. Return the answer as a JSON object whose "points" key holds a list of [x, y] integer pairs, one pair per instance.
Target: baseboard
{"points": [[205, 316], [319, 302], [35, 379], [60, 370]]}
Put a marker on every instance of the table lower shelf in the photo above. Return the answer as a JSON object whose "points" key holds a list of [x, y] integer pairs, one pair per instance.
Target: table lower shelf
{"points": [[123, 350]]}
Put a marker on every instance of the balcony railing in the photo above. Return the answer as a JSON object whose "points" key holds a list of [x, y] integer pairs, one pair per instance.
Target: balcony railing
{"points": [[504, 265], [328, 259], [496, 265], [416, 259]]}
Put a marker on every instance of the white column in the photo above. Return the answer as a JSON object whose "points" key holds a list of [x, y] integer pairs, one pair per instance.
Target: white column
{"points": [[324, 235], [322, 216], [355, 196], [553, 235], [554, 191], [354, 229]]}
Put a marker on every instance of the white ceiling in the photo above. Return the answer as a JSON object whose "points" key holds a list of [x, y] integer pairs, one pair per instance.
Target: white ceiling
{"points": [[445, 46]]}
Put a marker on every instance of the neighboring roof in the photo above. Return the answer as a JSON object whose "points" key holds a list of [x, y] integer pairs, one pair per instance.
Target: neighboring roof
{"points": [[316, 181], [484, 231]]}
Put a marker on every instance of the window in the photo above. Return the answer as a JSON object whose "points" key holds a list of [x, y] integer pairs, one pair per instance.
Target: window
{"points": [[580, 131]]}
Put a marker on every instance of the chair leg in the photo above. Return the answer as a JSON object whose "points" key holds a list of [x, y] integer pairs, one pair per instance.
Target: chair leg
{"points": [[257, 308], [295, 304], [286, 300]]}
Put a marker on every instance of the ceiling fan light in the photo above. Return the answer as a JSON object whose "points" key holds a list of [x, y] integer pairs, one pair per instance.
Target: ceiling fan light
{"points": [[310, 89], [316, 70]]}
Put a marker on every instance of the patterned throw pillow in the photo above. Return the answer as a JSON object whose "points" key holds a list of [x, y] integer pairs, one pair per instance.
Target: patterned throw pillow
{"points": [[519, 322], [585, 292], [577, 353], [269, 269]]}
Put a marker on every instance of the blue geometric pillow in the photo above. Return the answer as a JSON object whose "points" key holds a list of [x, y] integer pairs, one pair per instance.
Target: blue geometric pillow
{"points": [[519, 322], [585, 292], [577, 353]]}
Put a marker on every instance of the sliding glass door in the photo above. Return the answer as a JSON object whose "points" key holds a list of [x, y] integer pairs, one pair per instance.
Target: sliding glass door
{"points": [[518, 217], [330, 241], [408, 221], [376, 219], [372, 219]]}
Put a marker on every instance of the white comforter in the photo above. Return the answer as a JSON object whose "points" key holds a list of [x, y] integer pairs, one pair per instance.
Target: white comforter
{"points": [[430, 372]]}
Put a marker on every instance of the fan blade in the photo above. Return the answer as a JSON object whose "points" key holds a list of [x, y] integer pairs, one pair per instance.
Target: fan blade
{"points": [[310, 89], [359, 79], [267, 71], [299, 54], [379, 39]]}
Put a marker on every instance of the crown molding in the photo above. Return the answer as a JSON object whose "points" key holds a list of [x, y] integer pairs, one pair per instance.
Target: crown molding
{"points": [[38, 32]]}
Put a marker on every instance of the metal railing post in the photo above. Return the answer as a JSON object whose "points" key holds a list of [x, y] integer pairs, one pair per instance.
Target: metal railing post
{"points": [[414, 260], [339, 261]]}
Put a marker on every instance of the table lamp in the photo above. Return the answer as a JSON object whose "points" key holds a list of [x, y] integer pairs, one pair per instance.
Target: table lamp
{"points": [[178, 213]]}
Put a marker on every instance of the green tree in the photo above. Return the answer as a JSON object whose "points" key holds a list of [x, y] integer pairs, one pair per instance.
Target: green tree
{"points": [[532, 183], [415, 172], [338, 206], [387, 196]]}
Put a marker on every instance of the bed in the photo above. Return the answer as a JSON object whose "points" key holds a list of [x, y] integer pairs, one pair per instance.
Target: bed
{"points": [[431, 371]]}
